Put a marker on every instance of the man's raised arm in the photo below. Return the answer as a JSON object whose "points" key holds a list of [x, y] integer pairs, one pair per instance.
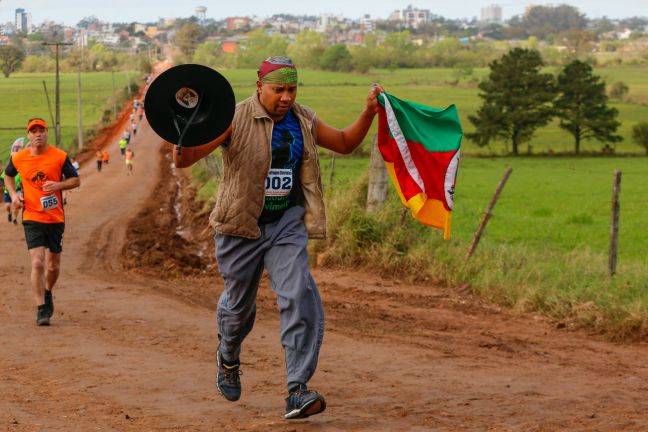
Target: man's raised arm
{"points": [[191, 155]]}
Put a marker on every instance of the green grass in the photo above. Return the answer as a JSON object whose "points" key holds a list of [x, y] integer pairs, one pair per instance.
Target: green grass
{"points": [[560, 204], [23, 97], [544, 249]]}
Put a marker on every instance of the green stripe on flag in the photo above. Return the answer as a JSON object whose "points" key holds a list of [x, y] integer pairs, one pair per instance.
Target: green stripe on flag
{"points": [[436, 129]]}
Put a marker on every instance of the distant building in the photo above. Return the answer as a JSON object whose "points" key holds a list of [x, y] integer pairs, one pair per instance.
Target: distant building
{"points": [[491, 14], [151, 31], [326, 21], [8, 29], [367, 24], [229, 47], [411, 17], [238, 23], [23, 21]]}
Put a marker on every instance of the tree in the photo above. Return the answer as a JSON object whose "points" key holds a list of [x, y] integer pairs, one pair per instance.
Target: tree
{"points": [[337, 58], [258, 47], [365, 55], [619, 90], [517, 100], [582, 105], [188, 37], [101, 58], [307, 49], [547, 21], [640, 134], [11, 58], [398, 50], [578, 42]]}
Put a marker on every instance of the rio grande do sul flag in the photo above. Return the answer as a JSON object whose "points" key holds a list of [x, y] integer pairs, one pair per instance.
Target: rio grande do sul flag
{"points": [[421, 147]]}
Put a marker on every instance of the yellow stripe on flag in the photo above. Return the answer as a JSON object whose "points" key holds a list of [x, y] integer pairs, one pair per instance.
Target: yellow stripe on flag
{"points": [[430, 212]]}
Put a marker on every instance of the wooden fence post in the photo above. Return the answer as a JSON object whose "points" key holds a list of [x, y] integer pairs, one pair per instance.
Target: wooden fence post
{"points": [[487, 214], [614, 226], [332, 173], [377, 188]]}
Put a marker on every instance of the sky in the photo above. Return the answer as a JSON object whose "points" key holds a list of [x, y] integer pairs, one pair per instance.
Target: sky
{"points": [[71, 12]]}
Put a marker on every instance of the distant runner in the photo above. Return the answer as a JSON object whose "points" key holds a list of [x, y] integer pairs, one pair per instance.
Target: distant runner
{"points": [[75, 163], [18, 144], [42, 168], [67, 193], [19, 189], [6, 198], [99, 157], [129, 161], [122, 146], [106, 157]]}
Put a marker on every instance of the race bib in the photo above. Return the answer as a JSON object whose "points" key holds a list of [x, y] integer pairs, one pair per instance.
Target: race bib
{"points": [[279, 182], [49, 202]]}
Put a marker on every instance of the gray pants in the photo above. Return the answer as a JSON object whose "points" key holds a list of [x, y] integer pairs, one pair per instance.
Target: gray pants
{"points": [[282, 250]]}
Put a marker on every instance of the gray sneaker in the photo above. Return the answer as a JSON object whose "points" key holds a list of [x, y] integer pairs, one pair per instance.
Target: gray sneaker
{"points": [[228, 379], [302, 403]]}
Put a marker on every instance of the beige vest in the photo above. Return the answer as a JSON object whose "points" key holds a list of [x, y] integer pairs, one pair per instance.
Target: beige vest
{"points": [[247, 156]]}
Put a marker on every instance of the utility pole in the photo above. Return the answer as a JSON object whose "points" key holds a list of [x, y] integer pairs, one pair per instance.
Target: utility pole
{"points": [[79, 110], [114, 98], [58, 91]]}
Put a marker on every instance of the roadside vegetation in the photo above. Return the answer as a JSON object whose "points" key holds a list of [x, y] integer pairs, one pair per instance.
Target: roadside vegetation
{"points": [[544, 251]]}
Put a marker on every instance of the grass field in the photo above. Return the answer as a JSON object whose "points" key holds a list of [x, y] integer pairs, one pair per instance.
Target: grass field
{"points": [[560, 204], [23, 97], [339, 97], [545, 249]]}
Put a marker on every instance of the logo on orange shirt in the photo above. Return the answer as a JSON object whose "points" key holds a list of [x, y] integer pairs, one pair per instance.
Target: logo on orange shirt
{"points": [[39, 179]]}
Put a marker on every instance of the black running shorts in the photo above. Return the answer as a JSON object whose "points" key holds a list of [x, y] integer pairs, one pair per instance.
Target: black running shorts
{"points": [[49, 235]]}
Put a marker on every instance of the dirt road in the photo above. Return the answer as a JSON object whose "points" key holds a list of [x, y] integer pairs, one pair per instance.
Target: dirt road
{"points": [[128, 351]]}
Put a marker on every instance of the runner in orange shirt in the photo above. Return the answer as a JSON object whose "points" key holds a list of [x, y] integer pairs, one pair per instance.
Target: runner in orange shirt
{"points": [[106, 157], [42, 168]]}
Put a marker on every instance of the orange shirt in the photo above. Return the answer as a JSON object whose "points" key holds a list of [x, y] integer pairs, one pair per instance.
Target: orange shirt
{"points": [[105, 156], [35, 171]]}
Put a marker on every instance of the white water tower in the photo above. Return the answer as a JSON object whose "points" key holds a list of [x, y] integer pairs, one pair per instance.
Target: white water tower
{"points": [[201, 14]]}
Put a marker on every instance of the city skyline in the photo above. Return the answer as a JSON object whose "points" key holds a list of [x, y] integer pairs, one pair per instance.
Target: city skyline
{"points": [[70, 12]]}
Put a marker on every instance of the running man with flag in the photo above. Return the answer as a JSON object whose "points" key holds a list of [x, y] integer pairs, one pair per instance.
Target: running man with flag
{"points": [[270, 202]]}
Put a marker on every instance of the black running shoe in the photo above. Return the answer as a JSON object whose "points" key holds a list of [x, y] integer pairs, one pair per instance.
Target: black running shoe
{"points": [[15, 221], [42, 318], [49, 303], [302, 403], [9, 217], [228, 379]]}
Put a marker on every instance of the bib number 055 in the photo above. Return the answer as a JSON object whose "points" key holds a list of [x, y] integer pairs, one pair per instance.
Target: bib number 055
{"points": [[49, 202]]}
